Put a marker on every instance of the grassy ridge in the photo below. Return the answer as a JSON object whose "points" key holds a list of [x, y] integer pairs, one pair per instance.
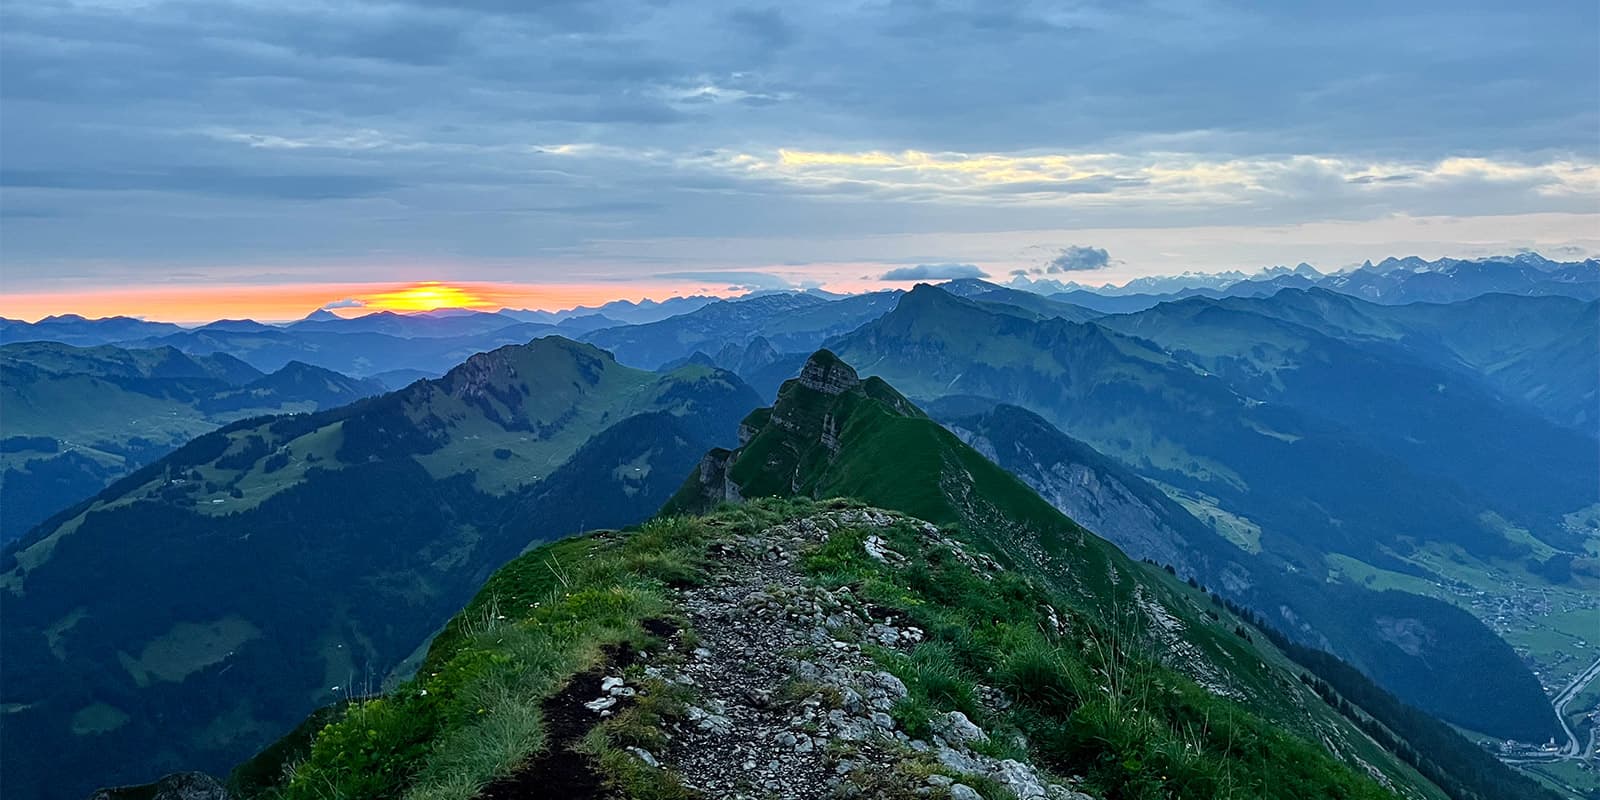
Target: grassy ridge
{"points": [[1095, 701], [1094, 698]]}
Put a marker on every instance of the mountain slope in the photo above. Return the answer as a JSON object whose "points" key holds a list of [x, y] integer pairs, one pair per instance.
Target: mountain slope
{"points": [[789, 321], [78, 418], [1095, 491], [1309, 486], [1432, 419], [316, 552], [1139, 518], [1478, 394], [799, 648], [319, 388], [1540, 352], [984, 292]]}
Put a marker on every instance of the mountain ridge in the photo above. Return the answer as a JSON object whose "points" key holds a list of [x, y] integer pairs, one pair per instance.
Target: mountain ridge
{"points": [[318, 548], [830, 429]]}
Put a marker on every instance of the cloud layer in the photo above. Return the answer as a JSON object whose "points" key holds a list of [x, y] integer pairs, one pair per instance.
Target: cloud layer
{"points": [[181, 140], [1078, 259], [934, 272]]}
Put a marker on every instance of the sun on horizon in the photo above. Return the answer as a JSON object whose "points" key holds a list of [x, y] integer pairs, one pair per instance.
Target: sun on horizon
{"points": [[424, 296]]}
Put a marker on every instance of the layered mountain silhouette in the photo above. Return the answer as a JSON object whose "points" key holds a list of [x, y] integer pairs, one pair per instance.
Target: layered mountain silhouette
{"points": [[283, 562]]}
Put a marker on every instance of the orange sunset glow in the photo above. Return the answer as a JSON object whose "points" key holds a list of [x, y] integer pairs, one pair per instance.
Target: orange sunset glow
{"points": [[189, 304]]}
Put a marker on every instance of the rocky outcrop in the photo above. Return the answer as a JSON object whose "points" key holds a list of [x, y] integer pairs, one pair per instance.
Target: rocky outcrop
{"points": [[177, 786], [711, 476], [825, 373]]}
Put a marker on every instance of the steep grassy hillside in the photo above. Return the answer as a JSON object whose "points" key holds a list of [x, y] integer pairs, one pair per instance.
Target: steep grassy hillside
{"points": [[1308, 485], [277, 564], [1005, 649], [1108, 499], [77, 418]]}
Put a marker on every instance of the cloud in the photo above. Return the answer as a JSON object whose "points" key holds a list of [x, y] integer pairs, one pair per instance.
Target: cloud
{"points": [[1079, 259], [1572, 252], [933, 272], [348, 302], [561, 132]]}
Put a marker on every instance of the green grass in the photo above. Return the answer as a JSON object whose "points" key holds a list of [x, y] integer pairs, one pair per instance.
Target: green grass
{"points": [[1566, 776], [886, 454], [1093, 701], [472, 711], [1240, 530], [187, 648], [1344, 568]]}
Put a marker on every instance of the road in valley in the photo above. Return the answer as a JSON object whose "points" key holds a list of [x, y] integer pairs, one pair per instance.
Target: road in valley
{"points": [[1573, 748]]}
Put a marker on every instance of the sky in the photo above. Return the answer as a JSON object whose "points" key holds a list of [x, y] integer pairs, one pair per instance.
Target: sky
{"points": [[183, 159]]}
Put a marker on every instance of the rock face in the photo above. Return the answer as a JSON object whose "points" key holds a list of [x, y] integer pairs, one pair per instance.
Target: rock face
{"points": [[756, 354], [177, 786], [825, 373], [1115, 503], [711, 475]]}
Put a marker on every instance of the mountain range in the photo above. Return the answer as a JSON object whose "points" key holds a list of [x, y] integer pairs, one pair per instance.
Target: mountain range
{"points": [[78, 418], [965, 634], [1405, 485], [1305, 485], [1393, 281], [282, 562]]}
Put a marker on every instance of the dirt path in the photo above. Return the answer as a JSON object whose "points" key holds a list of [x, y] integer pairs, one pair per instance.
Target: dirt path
{"points": [[741, 740]]}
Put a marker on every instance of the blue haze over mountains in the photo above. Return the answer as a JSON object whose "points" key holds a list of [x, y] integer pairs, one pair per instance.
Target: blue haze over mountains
{"points": [[1308, 445]]}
